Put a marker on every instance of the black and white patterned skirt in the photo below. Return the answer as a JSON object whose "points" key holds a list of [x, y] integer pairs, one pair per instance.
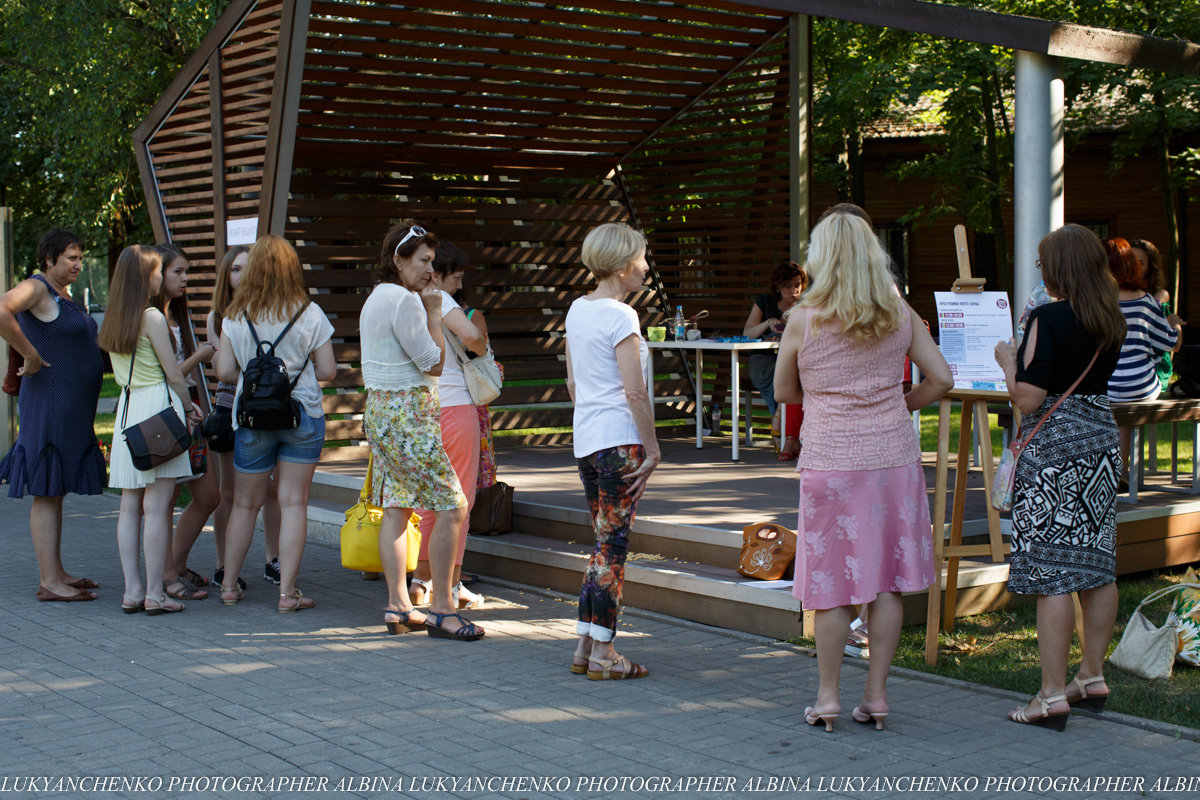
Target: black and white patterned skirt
{"points": [[1064, 515]]}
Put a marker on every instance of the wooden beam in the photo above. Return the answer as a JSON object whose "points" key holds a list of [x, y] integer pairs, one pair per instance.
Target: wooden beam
{"points": [[1005, 30], [216, 94], [285, 104]]}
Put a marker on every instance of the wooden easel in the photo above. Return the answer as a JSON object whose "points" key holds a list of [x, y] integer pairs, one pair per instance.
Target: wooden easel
{"points": [[974, 408]]}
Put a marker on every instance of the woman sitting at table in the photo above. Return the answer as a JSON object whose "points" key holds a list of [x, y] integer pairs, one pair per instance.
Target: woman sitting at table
{"points": [[788, 281]]}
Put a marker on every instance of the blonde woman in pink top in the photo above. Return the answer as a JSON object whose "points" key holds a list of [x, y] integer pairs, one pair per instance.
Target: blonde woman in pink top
{"points": [[863, 534]]}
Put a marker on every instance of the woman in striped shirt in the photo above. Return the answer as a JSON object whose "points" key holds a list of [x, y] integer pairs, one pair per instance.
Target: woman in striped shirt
{"points": [[1149, 334]]}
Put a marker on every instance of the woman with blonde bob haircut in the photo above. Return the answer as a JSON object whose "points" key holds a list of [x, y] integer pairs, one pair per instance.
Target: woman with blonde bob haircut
{"points": [[863, 528], [272, 298], [136, 336], [614, 442], [1064, 514]]}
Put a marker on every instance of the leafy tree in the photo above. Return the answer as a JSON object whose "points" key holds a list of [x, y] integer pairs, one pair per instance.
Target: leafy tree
{"points": [[76, 78]]}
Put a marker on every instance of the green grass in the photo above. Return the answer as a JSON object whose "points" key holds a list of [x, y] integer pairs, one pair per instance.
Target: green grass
{"points": [[109, 387], [1000, 649]]}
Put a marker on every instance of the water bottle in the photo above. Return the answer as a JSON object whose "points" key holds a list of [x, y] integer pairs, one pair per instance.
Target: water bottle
{"points": [[716, 419], [680, 327]]}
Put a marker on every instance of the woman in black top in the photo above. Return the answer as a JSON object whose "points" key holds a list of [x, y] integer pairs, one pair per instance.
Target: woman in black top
{"points": [[1064, 510], [788, 281]]}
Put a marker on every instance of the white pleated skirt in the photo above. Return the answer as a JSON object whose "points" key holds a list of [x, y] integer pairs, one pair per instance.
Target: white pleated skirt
{"points": [[144, 402]]}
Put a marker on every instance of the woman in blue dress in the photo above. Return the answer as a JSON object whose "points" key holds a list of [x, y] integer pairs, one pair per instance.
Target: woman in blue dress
{"points": [[56, 450]]}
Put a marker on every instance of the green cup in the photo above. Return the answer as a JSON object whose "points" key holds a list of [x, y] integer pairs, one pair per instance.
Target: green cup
{"points": [[656, 333]]}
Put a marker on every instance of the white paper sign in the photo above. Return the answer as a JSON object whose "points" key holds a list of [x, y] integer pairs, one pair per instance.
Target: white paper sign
{"points": [[969, 325], [241, 231]]}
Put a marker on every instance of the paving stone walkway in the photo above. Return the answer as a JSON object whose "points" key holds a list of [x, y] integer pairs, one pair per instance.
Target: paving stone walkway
{"points": [[246, 703]]}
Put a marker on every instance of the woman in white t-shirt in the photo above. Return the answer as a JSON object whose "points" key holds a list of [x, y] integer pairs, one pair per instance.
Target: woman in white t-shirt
{"points": [[273, 297], [403, 353], [615, 444], [459, 419]]}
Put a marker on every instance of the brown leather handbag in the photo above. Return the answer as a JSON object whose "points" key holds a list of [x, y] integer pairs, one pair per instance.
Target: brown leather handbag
{"points": [[492, 513], [768, 552], [12, 380]]}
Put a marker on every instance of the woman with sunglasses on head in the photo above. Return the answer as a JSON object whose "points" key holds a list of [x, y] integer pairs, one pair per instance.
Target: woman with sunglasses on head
{"points": [[180, 582], [459, 422], [229, 275], [273, 299], [403, 353], [136, 335]]}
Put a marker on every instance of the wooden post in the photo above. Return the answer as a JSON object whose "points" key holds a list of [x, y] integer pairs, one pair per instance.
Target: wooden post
{"points": [[8, 403], [973, 412]]}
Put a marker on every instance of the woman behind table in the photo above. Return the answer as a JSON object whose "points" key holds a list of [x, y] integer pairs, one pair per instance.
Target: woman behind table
{"points": [[614, 438], [56, 450], [229, 275], [403, 353], [863, 529], [1064, 513], [788, 281], [272, 295], [1148, 334], [459, 422], [1150, 262], [136, 335], [181, 582]]}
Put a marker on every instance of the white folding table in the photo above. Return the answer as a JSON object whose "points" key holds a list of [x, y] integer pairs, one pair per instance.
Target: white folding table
{"points": [[700, 346]]}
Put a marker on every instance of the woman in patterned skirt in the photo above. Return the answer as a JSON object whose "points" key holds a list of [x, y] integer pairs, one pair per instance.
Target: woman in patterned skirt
{"points": [[1064, 514], [863, 526], [403, 351]]}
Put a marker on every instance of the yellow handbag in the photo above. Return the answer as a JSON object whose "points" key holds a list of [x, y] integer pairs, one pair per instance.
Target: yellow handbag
{"points": [[360, 533]]}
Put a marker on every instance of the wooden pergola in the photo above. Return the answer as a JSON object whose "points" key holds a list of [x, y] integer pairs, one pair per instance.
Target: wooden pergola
{"points": [[512, 128]]}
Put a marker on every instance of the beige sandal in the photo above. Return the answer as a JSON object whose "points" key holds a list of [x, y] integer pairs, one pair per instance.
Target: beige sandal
{"points": [[1086, 700], [1057, 721], [608, 673], [302, 602]]}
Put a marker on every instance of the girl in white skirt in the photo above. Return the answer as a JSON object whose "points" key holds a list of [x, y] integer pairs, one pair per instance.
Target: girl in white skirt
{"points": [[137, 338]]}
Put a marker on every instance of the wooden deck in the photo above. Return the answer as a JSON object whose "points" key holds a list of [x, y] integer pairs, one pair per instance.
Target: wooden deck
{"points": [[689, 525]]}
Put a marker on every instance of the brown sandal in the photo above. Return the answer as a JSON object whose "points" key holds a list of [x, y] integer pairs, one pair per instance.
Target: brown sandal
{"points": [[608, 673]]}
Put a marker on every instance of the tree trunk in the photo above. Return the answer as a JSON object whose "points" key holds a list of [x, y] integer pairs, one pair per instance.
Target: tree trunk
{"points": [[995, 201]]}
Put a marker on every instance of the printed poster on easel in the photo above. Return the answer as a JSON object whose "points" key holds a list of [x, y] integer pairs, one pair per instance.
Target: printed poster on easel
{"points": [[969, 325]]}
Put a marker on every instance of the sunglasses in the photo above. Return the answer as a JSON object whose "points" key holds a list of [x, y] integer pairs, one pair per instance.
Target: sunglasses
{"points": [[415, 230]]}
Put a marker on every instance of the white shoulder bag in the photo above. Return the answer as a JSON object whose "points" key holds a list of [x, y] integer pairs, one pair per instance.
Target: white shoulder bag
{"points": [[481, 373]]}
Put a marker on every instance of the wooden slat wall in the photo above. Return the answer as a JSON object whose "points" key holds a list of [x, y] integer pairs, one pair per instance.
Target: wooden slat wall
{"points": [[497, 125], [183, 157], [712, 192], [522, 232]]}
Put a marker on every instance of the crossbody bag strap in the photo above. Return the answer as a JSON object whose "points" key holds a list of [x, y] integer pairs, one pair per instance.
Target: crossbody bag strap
{"points": [[1021, 446]]}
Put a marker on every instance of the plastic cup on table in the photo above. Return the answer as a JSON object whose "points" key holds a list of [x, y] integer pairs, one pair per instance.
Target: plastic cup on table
{"points": [[656, 333]]}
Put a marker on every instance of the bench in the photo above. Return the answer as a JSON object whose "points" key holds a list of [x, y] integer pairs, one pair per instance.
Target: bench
{"points": [[1152, 412]]}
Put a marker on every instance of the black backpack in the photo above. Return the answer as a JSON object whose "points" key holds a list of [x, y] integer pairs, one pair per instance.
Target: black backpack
{"points": [[266, 402], [1187, 368]]}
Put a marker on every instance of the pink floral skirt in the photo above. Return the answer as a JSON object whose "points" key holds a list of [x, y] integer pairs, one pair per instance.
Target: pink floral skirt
{"points": [[862, 533]]}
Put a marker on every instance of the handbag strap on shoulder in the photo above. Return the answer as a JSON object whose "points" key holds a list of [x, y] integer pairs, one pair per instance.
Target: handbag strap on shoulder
{"points": [[1017, 448], [129, 384], [365, 493]]}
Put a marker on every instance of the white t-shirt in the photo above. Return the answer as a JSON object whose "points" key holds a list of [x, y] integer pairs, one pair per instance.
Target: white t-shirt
{"points": [[396, 346], [602, 417], [311, 330], [452, 385]]}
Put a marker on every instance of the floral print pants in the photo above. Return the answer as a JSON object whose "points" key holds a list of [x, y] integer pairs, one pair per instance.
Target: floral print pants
{"points": [[604, 482]]}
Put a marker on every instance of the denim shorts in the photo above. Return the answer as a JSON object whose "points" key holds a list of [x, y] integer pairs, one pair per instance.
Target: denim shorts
{"points": [[257, 451]]}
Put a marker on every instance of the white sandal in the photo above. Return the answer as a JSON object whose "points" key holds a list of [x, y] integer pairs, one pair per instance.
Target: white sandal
{"points": [[418, 591], [465, 598]]}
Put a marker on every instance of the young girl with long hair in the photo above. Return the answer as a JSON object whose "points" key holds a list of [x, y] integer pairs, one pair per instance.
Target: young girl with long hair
{"points": [[183, 583], [272, 295], [137, 337], [229, 276]]}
